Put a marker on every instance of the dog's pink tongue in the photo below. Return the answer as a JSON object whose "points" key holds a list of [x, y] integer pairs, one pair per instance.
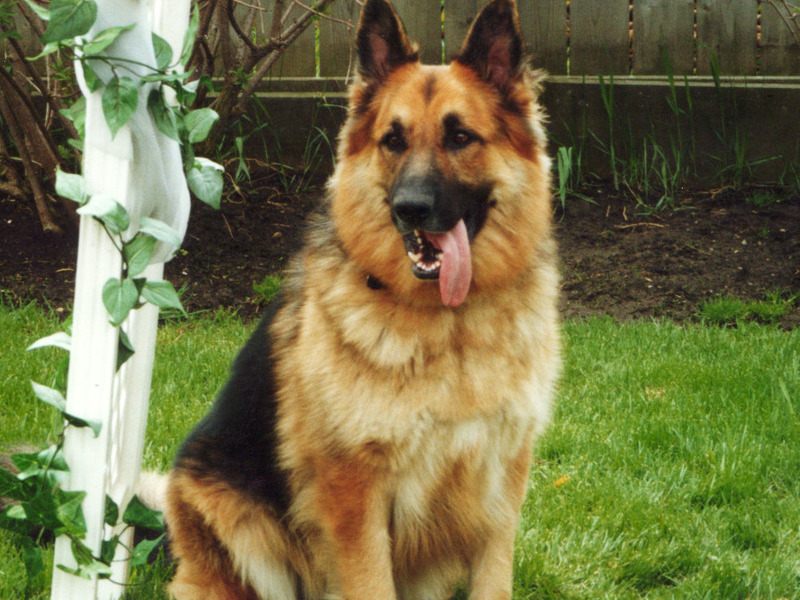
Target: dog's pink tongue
{"points": [[455, 273]]}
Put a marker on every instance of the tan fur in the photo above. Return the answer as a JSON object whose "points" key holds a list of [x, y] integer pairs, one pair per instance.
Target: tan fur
{"points": [[405, 426]]}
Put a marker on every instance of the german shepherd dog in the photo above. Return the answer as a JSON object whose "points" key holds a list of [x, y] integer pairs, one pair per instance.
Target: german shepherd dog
{"points": [[374, 439]]}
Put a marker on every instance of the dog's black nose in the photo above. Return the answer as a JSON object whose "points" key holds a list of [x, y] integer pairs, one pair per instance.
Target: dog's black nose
{"points": [[413, 202], [412, 212]]}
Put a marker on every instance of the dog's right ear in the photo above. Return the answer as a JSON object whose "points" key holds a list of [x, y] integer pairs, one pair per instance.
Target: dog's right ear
{"points": [[382, 42]]}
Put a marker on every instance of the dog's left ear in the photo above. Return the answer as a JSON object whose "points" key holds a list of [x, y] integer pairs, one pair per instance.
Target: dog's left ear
{"points": [[381, 41], [494, 46]]}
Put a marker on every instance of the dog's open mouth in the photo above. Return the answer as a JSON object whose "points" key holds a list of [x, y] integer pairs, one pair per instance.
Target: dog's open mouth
{"points": [[443, 256], [425, 257]]}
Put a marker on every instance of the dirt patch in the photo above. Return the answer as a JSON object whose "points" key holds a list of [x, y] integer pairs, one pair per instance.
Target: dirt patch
{"points": [[616, 259], [622, 262]]}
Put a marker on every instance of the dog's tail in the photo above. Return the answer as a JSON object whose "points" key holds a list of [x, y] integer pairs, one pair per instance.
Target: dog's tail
{"points": [[151, 488]]}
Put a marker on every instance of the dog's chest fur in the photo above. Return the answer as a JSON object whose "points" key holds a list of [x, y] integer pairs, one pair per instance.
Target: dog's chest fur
{"points": [[378, 372], [422, 388]]}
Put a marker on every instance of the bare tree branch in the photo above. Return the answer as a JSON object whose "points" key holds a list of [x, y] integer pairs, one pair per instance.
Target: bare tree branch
{"points": [[347, 24], [33, 19], [39, 196], [291, 33], [247, 25], [789, 14], [223, 31], [207, 10], [11, 86], [53, 101], [253, 6], [234, 23], [277, 19]]}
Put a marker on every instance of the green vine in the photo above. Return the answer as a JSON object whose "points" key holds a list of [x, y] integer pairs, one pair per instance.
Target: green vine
{"points": [[40, 505]]}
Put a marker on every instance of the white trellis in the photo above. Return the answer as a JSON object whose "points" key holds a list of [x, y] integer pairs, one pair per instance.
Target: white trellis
{"points": [[141, 169]]}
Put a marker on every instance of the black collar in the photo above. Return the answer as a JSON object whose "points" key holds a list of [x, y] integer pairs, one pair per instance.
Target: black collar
{"points": [[374, 283]]}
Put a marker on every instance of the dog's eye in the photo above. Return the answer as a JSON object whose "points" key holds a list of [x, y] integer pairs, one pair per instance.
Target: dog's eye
{"points": [[394, 142], [459, 139]]}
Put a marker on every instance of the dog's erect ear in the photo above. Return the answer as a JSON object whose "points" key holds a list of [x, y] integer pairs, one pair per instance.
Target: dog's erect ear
{"points": [[494, 46], [382, 42]]}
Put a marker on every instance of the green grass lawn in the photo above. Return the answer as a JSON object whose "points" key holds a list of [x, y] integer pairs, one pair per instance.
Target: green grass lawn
{"points": [[671, 469]]}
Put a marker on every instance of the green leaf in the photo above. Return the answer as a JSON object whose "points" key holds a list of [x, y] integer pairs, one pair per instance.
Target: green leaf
{"points": [[139, 283], [108, 549], [160, 231], [112, 214], [188, 38], [33, 558], [93, 82], [186, 93], [163, 115], [138, 253], [124, 349], [16, 512], [95, 426], [111, 515], [69, 510], [71, 186], [205, 181], [162, 294], [138, 514], [61, 373], [104, 39], [41, 12], [87, 571], [142, 551], [39, 511], [46, 50], [77, 114], [48, 467], [81, 552], [69, 19], [168, 79], [57, 340], [11, 487], [119, 298], [163, 52], [198, 123], [49, 396], [120, 99]]}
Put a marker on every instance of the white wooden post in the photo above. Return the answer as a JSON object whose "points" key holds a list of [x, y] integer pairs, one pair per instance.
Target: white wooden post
{"points": [[141, 169]]}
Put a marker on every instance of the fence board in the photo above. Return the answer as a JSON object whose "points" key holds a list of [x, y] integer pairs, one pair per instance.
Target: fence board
{"points": [[544, 27], [728, 30], [779, 52], [337, 56], [599, 38], [458, 15], [423, 22], [299, 59], [663, 30]]}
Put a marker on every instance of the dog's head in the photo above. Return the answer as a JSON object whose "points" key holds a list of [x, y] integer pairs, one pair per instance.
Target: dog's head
{"points": [[442, 173]]}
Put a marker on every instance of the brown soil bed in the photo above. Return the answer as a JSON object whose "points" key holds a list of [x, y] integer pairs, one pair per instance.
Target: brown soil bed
{"points": [[616, 259]]}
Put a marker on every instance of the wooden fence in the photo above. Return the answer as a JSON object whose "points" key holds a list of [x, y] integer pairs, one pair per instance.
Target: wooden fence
{"points": [[746, 42], [568, 37], [639, 42], [581, 37]]}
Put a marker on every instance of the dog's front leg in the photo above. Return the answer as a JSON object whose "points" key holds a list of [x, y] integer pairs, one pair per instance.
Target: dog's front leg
{"points": [[492, 568], [354, 507]]}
